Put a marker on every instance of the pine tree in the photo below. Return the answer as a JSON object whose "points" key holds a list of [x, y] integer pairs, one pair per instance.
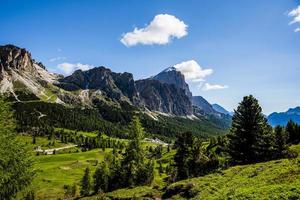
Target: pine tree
{"points": [[86, 183], [249, 139], [15, 162], [101, 178], [280, 141], [184, 145], [293, 133], [133, 162]]}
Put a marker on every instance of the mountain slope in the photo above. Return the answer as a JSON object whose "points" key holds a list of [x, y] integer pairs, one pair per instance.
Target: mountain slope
{"points": [[165, 98], [220, 109], [98, 99], [203, 104], [172, 76], [283, 117], [19, 73]]}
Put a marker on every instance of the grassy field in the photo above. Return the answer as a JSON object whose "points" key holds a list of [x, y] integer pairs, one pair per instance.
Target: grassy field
{"points": [[278, 179], [43, 142], [55, 171]]}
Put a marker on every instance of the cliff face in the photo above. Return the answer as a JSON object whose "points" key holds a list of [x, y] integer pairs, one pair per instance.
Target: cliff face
{"points": [[14, 58], [118, 86], [162, 97], [18, 71], [172, 76]]}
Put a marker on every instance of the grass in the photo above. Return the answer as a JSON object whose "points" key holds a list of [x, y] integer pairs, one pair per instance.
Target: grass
{"points": [[55, 171], [83, 133], [278, 179], [43, 142]]}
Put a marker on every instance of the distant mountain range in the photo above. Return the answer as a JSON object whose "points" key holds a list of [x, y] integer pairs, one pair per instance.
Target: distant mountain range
{"points": [[220, 109], [165, 94], [282, 118]]}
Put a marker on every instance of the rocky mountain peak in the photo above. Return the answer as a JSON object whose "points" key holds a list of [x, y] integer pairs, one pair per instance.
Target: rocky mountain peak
{"points": [[12, 57], [118, 86], [172, 76]]}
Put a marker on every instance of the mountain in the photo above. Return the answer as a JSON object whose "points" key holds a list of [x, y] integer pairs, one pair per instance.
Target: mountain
{"points": [[100, 99], [117, 86], [20, 74], [282, 118], [164, 98], [203, 104], [220, 109], [172, 76]]}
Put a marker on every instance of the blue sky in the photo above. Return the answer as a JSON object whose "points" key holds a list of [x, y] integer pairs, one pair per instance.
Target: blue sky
{"points": [[249, 46]]}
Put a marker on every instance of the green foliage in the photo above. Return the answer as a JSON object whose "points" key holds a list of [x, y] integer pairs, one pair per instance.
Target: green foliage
{"points": [[293, 132], [250, 139], [278, 179], [101, 178], [192, 158], [15, 163], [86, 183], [131, 169]]}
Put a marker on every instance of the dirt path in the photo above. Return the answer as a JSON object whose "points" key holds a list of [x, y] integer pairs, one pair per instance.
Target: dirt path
{"points": [[50, 151]]}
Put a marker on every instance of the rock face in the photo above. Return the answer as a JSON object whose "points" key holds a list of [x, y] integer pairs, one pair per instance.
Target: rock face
{"points": [[165, 98], [282, 118], [172, 76], [18, 71], [14, 58], [118, 86], [203, 104]]}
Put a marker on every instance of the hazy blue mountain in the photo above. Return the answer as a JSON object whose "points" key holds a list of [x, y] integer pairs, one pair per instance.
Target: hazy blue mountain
{"points": [[283, 117], [220, 109]]}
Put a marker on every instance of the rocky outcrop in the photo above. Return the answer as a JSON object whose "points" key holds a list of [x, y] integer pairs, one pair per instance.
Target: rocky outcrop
{"points": [[19, 72], [12, 57], [165, 98], [172, 76], [118, 86]]}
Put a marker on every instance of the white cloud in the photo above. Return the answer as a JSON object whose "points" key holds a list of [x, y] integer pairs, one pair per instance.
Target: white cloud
{"points": [[160, 31], [208, 86], [57, 59], [297, 30], [192, 71], [68, 68], [59, 49], [295, 13]]}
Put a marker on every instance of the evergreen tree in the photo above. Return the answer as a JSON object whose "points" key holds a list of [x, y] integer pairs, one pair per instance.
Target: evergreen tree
{"points": [[249, 140], [101, 178], [280, 141], [292, 130], [15, 163], [134, 157], [86, 183], [184, 145]]}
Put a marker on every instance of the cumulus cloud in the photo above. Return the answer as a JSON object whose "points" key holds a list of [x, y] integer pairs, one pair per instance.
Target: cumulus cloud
{"points": [[295, 13], [57, 59], [208, 86], [192, 71], [160, 31], [68, 68], [297, 30]]}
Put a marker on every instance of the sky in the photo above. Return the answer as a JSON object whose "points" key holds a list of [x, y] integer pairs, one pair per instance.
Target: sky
{"points": [[226, 49]]}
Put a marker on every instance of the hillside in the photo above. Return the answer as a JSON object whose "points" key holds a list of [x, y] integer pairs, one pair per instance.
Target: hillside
{"points": [[98, 99], [278, 179]]}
